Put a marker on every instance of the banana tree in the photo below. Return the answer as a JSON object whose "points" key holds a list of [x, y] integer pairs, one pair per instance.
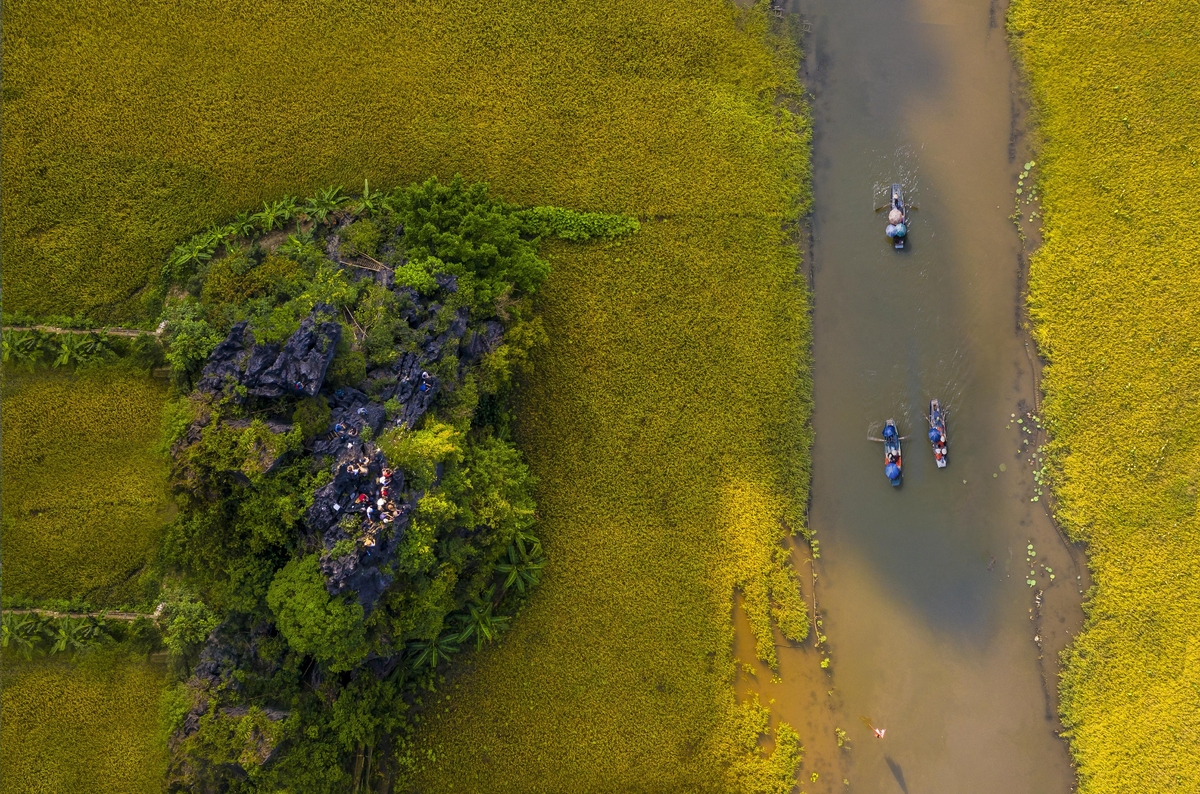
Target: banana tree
{"points": [[23, 633], [189, 255], [67, 634], [430, 653], [522, 567], [272, 216], [324, 206], [479, 622], [82, 348], [243, 224], [23, 347], [368, 203]]}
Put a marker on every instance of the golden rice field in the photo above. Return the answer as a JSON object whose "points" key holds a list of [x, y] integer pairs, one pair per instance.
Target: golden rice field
{"points": [[90, 727], [127, 128], [1115, 296], [84, 493], [668, 417]]}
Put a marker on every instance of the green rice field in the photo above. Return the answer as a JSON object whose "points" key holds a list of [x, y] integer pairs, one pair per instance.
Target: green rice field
{"points": [[1115, 296]]}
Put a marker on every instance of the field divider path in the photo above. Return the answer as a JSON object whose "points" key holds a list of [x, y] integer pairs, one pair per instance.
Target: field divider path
{"points": [[53, 329], [50, 613]]}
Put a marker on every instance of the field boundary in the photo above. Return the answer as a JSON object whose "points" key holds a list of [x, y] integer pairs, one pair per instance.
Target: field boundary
{"points": [[50, 613]]}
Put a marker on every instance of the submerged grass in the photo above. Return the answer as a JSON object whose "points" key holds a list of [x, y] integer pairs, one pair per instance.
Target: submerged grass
{"points": [[84, 490], [1115, 296], [668, 417], [91, 726]]}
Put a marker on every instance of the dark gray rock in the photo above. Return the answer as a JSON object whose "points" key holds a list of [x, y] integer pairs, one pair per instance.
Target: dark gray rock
{"points": [[267, 371], [484, 340], [347, 508], [300, 367]]}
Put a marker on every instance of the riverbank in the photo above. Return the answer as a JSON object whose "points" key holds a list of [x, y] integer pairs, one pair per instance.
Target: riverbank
{"points": [[1114, 294]]}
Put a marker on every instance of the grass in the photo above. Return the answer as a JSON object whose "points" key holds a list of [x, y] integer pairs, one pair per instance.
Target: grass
{"points": [[1115, 296], [668, 421], [84, 492], [89, 727]]}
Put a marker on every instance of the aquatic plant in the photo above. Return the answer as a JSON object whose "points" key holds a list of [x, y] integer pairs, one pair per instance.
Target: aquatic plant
{"points": [[1114, 294]]}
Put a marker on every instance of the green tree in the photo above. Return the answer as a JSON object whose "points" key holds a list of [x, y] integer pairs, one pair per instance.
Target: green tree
{"points": [[190, 623], [479, 622], [328, 628], [418, 452]]}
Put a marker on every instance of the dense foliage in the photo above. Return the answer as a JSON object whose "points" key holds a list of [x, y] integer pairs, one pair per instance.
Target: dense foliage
{"points": [[675, 371], [1115, 296], [349, 532]]}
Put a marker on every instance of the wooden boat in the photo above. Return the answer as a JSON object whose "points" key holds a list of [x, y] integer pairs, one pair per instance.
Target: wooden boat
{"points": [[937, 433], [892, 459], [898, 232]]}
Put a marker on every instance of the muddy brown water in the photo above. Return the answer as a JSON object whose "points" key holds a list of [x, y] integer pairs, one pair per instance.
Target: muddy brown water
{"points": [[933, 631]]}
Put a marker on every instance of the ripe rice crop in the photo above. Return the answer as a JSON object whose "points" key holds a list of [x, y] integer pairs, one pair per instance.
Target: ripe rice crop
{"points": [[90, 727], [667, 418], [84, 491], [1115, 297]]}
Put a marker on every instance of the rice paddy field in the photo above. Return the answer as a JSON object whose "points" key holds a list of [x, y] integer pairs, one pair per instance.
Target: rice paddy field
{"points": [[667, 418], [84, 495], [91, 726], [1115, 297]]}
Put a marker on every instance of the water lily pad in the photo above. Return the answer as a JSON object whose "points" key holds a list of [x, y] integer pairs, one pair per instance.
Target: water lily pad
{"points": [[1003, 467], [1030, 582]]}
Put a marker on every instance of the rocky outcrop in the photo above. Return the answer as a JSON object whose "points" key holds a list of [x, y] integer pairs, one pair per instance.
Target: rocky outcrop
{"points": [[265, 370], [364, 508]]}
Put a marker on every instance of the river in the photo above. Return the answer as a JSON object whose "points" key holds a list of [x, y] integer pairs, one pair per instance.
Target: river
{"points": [[933, 630]]}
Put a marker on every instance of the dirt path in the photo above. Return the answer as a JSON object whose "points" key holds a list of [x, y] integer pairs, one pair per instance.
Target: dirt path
{"points": [[106, 615], [51, 329]]}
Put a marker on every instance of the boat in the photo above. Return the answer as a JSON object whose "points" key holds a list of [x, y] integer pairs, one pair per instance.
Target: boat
{"points": [[897, 228], [892, 462], [937, 433]]}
